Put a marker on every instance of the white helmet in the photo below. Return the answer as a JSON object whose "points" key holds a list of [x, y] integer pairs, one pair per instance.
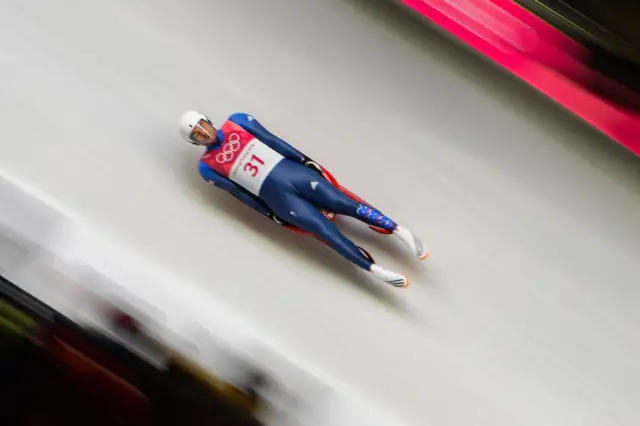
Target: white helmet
{"points": [[188, 121]]}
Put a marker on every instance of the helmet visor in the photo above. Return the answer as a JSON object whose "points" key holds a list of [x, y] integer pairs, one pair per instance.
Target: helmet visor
{"points": [[203, 133]]}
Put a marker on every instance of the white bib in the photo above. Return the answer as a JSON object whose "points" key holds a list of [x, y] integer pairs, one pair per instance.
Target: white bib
{"points": [[253, 165]]}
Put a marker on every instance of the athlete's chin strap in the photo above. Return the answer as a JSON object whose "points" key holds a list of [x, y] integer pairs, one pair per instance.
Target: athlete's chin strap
{"points": [[216, 144]]}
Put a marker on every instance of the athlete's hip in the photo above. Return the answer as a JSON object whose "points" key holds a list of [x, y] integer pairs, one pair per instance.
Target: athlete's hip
{"points": [[285, 178]]}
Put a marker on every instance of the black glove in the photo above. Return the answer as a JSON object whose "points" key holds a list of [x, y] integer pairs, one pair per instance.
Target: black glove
{"points": [[314, 166], [277, 220]]}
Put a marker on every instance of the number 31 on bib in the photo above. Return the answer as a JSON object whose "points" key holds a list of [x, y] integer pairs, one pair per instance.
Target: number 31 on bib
{"points": [[254, 164]]}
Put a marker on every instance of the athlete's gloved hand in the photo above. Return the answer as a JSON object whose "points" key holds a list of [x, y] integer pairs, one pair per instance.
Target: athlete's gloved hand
{"points": [[277, 220], [313, 165]]}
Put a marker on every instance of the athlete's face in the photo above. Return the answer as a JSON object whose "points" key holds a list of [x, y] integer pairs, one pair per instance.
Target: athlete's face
{"points": [[204, 133]]}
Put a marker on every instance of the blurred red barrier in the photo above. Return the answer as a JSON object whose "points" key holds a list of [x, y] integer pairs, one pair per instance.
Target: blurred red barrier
{"points": [[542, 56]]}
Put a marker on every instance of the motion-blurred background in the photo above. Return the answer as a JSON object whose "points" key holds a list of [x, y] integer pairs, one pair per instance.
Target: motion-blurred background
{"points": [[504, 132]]}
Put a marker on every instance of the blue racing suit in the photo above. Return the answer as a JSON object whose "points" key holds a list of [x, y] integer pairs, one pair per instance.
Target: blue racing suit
{"points": [[295, 193]]}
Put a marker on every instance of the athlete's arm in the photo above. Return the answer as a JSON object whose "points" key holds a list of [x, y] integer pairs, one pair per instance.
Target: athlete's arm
{"points": [[221, 182], [252, 126]]}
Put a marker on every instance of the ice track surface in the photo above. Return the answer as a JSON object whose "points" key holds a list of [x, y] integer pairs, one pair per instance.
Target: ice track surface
{"points": [[525, 314]]}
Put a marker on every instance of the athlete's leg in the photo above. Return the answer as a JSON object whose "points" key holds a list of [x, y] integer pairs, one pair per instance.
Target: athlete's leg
{"points": [[281, 191], [322, 193], [306, 216]]}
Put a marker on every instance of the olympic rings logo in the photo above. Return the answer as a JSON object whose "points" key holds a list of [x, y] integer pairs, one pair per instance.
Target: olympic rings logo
{"points": [[229, 149]]}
